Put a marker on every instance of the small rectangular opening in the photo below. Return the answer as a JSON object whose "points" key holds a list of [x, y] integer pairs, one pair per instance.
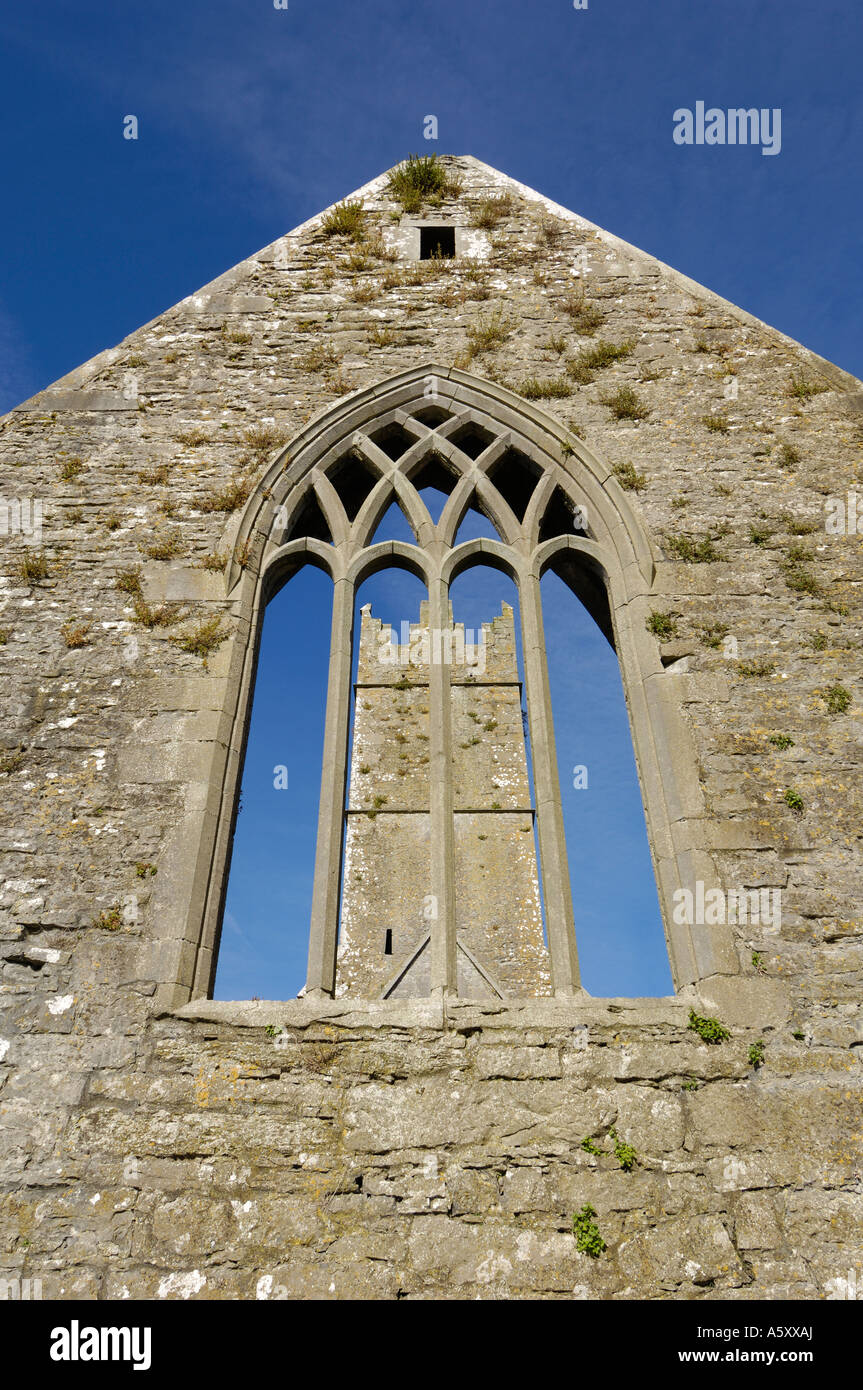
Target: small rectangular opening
{"points": [[388, 942], [437, 243]]}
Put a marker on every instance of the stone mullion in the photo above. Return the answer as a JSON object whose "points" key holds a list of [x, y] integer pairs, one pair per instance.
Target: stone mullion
{"points": [[323, 939], [557, 896], [442, 831]]}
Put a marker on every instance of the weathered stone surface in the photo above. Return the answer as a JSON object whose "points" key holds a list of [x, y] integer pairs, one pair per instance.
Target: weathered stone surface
{"points": [[427, 1148]]}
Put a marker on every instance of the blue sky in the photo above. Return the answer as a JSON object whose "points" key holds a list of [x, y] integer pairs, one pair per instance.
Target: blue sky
{"points": [[252, 119]]}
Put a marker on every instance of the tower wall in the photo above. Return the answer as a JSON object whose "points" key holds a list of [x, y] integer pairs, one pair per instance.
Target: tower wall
{"points": [[387, 909]]}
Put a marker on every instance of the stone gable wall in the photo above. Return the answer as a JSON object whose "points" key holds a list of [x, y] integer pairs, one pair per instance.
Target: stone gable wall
{"points": [[190, 1155]]}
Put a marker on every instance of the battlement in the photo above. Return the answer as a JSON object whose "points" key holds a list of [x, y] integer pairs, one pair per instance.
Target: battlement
{"points": [[483, 654]]}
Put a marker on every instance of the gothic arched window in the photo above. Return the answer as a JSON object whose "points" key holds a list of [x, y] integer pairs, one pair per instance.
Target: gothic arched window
{"points": [[442, 446]]}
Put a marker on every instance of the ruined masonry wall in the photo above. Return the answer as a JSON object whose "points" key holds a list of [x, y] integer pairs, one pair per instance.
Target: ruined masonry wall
{"points": [[386, 875], [157, 1154]]}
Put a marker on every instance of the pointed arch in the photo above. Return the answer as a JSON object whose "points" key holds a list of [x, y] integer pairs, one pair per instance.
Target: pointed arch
{"points": [[427, 410]]}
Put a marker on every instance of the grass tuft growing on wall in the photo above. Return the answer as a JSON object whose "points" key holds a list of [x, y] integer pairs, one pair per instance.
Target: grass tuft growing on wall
{"points": [[422, 179]]}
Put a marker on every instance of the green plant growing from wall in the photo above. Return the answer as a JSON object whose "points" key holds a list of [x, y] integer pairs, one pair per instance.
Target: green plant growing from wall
{"points": [[629, 478], [756, 1054], [70, 468], [798, 525], [193, 438], [802, 387], [625, 404], [756, 668], [535, 388], [489, 212], [151, 615], [346, 219], [422, 179], [709, 1030], [584, 316], [625, 1154], [166, 548], [793, 800], [588, 1238], [204, 639], [760, 535], [787, 456], [31, 567], [76, 634], [713, 634], [797, 554], [227, 499], [110, 920], [489, 331], [662, 625], [837, 699], [590, 1146], [584, 366], [692, 550], [799, 579]]}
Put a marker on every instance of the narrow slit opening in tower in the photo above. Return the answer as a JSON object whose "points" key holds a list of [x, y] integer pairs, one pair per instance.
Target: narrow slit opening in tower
{"points": [[437, 243]]}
